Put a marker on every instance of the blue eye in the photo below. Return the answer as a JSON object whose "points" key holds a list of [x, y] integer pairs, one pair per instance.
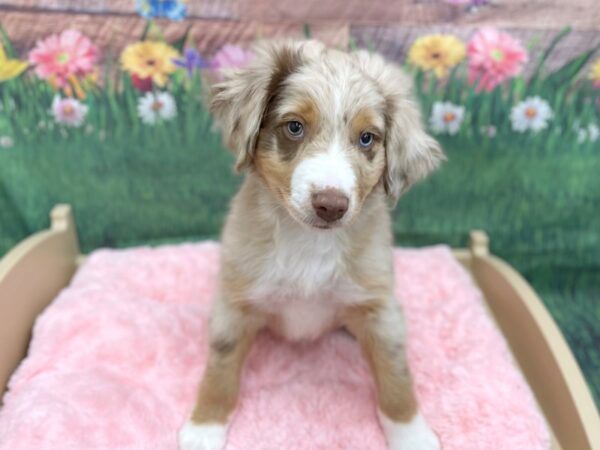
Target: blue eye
{"points": [[295, 129], [366, 139]]}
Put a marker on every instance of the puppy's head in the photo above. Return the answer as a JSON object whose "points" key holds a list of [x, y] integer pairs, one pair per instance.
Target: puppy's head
{"points": [[323, 128]]}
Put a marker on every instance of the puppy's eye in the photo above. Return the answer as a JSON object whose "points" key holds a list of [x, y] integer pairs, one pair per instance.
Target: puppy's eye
{"points": [[366, 139], [295, 129]]}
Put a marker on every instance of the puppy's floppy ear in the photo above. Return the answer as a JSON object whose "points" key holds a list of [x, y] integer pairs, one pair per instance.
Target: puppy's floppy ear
{"points": [[411, 153], [240, 102]]}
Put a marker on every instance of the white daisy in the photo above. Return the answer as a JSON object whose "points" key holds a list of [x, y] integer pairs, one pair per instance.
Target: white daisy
{"points": [[155, 107], [6, 141], [591, 132], [531, 114], [68, 111], [446, 117]]}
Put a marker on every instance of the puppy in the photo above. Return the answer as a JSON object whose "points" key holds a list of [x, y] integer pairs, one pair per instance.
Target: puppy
{"points": [[327, 140]]}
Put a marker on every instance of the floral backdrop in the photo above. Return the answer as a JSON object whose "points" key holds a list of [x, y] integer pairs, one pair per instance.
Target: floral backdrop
{"points": [[121, 133]]}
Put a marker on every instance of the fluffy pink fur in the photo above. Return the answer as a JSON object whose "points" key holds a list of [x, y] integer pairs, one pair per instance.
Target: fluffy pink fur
{"points": [[115, 361]]}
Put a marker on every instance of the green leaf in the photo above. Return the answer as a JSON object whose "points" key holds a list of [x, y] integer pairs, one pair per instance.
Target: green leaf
{"points": [[568, 71], [517, 89], [532, 43], [146, 30], [352, 45], [307, 33], [6, 43], [180, 43], [419, 77], [452, 87], [152, 32], [109, 69], [537, 72]]}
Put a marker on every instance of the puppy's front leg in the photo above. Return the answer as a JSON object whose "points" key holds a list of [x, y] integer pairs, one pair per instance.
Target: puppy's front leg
{"points": [[379, 328], [231, 337]]}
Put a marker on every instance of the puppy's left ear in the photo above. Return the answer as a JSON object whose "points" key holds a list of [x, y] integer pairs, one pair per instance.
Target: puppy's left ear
{"points": [[411, 154], [240, 102]]}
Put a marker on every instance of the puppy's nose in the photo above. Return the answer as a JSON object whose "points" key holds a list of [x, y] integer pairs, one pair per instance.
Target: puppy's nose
{"points": [[330, 204]]}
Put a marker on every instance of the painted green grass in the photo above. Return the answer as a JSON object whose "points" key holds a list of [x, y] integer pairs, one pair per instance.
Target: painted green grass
{"points": [[123, 177], [125, 191]]}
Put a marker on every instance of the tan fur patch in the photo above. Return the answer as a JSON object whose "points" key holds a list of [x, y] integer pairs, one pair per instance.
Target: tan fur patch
{"points": [[286, 147], [276, 173], [219, 390], [234, 285], [386, 359], [365, 121], [370, 175], [308, 111]]}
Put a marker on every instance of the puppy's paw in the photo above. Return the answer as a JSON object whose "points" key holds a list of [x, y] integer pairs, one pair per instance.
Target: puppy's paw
{"points": [[413, 435], [193, 436]]}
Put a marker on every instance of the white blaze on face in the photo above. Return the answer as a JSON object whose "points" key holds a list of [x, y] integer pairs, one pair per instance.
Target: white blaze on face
{"points": [[330, 169]]}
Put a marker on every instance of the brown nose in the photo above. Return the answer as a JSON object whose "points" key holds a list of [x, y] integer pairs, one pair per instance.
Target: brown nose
{"points": [[330, 204]]}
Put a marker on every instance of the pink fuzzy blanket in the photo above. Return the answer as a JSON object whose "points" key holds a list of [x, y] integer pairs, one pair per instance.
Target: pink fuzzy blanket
{"points": [[115, 361]]}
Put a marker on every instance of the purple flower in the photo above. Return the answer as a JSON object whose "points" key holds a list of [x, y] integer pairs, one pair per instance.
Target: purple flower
{"points": [[231, 56], [191, 61]]}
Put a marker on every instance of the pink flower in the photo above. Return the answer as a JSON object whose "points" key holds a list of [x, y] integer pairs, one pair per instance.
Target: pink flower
{"points": [[494, 56], [68, 111], [62, 56], [231, 56]]}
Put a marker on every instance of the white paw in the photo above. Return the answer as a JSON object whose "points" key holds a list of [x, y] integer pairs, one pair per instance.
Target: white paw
{"points": [[193, 436], [413, 435]]}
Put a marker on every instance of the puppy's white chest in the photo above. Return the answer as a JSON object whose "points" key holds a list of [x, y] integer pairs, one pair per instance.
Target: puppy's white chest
{"points": [[299, 268], [303, 283]]}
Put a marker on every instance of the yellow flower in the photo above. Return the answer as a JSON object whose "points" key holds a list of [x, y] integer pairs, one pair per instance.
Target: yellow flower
{"points": [[437, 52], [10, 68], [595, 72], [149, 59]]}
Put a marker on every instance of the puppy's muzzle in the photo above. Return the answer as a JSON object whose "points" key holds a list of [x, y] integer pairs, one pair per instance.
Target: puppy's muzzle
{"points": [[330, 204]]}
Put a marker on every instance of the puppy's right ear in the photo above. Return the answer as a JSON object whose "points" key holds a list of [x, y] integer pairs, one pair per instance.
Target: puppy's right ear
{"points": [[239, 103]]}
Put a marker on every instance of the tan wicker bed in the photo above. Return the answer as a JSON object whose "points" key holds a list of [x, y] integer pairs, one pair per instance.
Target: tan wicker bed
{"points": [[33, 273]]}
